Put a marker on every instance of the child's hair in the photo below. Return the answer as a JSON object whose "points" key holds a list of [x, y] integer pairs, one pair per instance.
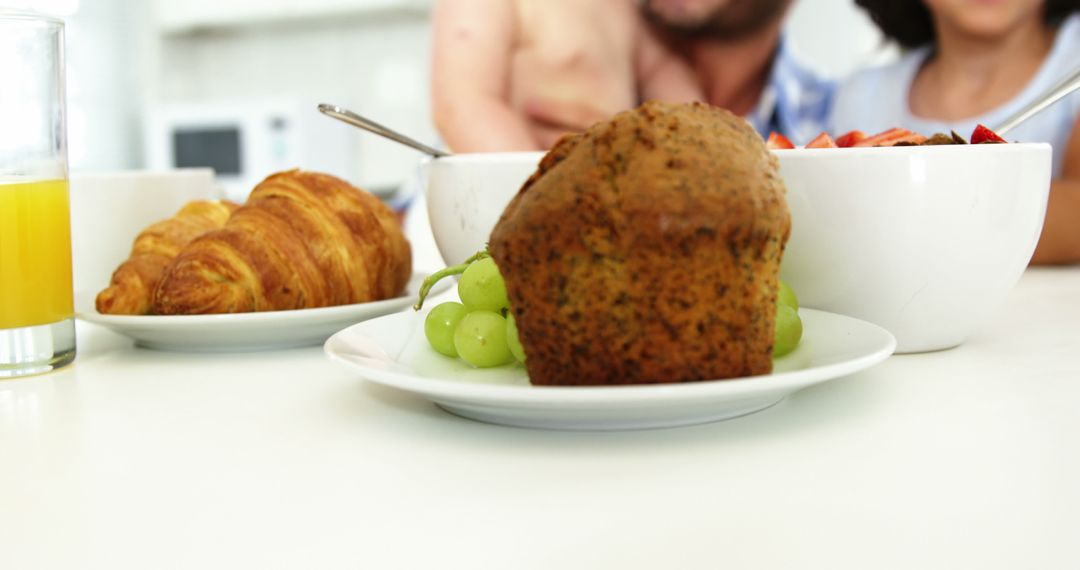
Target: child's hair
{"points": [[908, 22]]}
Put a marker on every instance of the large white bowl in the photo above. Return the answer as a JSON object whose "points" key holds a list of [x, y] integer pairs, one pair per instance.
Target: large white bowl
{"points": [[923, 241]]}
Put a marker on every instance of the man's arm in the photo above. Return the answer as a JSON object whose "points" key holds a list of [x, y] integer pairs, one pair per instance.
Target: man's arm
{"points": [[1060, 241], [472, 45]]}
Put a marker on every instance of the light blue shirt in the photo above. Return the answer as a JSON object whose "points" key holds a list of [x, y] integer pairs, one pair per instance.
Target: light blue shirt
{"points": [[876, 99], [796, 100]]}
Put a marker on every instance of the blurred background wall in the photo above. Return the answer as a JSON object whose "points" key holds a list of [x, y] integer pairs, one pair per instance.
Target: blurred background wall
{"points": [[134, 61]]}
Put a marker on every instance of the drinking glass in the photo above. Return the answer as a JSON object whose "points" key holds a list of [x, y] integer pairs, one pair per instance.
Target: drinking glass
{"points": [[37, 329]]}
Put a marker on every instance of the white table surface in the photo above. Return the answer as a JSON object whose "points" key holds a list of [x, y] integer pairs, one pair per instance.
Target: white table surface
{"points": [[968, 458]]}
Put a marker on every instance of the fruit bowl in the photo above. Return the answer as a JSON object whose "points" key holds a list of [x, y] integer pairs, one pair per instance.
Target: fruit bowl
{"points": [[925, 241]]}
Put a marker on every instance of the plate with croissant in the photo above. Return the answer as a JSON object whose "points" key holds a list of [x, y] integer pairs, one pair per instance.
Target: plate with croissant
{"points": [[307, 255]]}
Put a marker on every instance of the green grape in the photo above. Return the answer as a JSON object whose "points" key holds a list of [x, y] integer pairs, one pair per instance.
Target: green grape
{"points": [[480, 339], [482, 287], [788, 330], [431, 280], [787, 296], [512, 339], [440, 324]]}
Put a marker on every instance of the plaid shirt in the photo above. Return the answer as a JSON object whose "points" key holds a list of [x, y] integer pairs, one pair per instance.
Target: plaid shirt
{"points": [[795, 102]]}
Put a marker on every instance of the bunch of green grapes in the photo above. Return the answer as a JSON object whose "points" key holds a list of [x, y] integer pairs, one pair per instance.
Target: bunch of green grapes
{"points": [[789, 327], [480, 329]]}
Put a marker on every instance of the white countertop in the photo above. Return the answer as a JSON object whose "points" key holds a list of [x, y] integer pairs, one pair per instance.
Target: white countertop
{"points": [[967, 458]]}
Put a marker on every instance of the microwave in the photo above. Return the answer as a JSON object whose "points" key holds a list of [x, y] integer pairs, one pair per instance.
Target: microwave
{"points": [[246, 141]]}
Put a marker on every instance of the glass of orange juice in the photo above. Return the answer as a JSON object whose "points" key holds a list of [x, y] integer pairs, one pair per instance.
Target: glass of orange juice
{"points": [[37, 329]]}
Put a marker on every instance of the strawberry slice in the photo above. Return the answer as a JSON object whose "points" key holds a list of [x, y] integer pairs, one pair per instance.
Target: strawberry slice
{"points": [[984, 135], [892, 137], [821, 141], [778, 141], [850, 138]]}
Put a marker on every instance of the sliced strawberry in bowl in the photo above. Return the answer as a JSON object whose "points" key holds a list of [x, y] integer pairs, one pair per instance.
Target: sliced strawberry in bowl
{"points": [[778, 141], [850, 138], [822, 141], [982, 134], [893, 137]]}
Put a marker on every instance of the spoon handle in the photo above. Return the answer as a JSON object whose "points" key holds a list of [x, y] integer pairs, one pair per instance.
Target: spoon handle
{"points": [[1055, 94], [355, 120]]}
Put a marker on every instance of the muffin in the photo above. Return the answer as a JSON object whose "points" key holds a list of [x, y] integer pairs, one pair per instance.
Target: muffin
{"points": [[647, 250]]}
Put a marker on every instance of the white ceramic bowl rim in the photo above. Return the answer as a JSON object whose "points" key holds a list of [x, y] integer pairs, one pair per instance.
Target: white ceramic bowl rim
{"points": [[847, 152], [531, 157]]}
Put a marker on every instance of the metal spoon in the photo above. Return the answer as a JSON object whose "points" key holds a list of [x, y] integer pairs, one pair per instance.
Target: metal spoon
{"points": [[355, 120], [1055, 94]]}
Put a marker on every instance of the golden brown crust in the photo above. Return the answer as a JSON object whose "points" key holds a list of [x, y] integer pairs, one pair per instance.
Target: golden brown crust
{"points": [[131, 290], [647, 250], [302, 240]]}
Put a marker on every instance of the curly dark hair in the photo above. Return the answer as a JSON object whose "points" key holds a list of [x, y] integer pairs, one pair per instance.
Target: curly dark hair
{"points": [[909, 23]]}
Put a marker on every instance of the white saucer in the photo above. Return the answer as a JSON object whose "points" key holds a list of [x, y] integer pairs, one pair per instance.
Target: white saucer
{"points": [[392, 351], [247, 331]]}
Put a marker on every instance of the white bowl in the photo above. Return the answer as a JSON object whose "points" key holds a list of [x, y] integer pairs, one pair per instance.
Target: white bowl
{"points": [[466, 194], [923, 241]]}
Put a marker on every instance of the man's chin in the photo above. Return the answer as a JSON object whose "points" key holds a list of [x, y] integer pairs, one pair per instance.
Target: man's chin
{"points": [[679, 15], [730, 21]]}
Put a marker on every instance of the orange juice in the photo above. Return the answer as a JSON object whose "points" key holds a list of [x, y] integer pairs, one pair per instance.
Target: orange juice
{"points": [[35, 253]]}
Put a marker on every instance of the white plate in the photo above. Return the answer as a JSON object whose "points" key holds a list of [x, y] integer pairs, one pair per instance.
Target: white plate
{"points": [[247, 331], [392, 350]]}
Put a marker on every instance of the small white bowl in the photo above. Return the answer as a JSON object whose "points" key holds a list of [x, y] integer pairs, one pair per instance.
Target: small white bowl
{"points": [[923, 241], [467, 193]]}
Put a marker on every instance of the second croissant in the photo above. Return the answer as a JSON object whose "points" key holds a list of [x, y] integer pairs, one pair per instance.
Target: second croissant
{"points": [[302, 240]]}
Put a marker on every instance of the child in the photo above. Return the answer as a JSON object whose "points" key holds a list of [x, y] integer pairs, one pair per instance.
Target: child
{"points": [[517, 74], [973, 62]]}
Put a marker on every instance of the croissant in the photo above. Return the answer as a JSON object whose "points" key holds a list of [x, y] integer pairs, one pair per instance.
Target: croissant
{"points": [[131, 291], [301, 240]]}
